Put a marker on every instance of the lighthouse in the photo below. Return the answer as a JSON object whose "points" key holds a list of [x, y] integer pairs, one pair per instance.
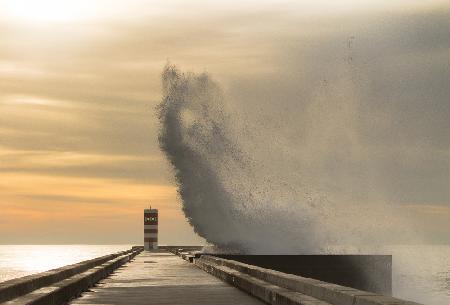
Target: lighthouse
{"points": [[150, 229]]}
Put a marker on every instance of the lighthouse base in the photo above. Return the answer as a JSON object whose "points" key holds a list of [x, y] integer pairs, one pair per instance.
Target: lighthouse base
{"points": [[150, 246]]}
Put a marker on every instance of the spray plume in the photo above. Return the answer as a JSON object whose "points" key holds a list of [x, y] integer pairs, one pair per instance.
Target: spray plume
{"points": [[245, 188]]}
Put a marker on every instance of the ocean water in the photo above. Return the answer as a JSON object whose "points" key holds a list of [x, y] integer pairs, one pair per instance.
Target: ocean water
{"points": [[20, 260], [420, 273]]}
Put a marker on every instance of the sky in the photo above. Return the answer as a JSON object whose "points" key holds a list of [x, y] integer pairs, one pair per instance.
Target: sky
{"points": [[80, 80]]}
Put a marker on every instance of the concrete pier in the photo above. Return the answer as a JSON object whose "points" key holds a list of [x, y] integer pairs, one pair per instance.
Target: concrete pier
{"points": [[163, 278], [188, 277]]}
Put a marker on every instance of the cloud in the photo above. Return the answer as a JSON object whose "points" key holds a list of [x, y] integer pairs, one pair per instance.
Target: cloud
{"points": [[72, 164], [77, 100]]}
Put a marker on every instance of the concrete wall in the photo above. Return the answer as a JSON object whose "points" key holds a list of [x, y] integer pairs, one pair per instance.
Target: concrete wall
{"points": [[365, 272], [59, 285], [278, 288]]}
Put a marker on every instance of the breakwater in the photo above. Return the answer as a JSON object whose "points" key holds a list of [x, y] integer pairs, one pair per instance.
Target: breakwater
{"points": [[159, 277], [275, 287], [365, 272]]}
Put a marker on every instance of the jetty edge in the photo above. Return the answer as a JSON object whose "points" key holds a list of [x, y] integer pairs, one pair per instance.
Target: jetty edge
{"points": [[279, 288], [57, 286], [150, 270]]}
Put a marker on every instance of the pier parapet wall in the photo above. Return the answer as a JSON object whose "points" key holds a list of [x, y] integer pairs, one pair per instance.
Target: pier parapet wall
{"points": [[275, 287], [365, 272], [59, 285]]}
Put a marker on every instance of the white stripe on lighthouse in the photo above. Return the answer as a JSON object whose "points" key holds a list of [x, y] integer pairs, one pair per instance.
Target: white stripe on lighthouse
{"points": [[150, 226]]}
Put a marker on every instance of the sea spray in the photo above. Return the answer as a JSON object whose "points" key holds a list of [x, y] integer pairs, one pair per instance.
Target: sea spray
{"points": [[243, 188]]}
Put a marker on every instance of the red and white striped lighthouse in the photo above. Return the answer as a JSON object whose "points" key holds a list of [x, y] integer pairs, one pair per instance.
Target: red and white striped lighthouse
{"points": [[150, 229]]}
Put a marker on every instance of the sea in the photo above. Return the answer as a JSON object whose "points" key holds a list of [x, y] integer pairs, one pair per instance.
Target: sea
{"points": [[20, 260], [420, 273]]}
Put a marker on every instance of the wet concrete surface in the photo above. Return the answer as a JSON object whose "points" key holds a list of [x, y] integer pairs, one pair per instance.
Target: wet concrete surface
{"points": [[163, 278]]}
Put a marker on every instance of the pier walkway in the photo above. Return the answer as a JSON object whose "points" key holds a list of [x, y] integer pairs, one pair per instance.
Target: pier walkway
{"points": [[163, 278]]}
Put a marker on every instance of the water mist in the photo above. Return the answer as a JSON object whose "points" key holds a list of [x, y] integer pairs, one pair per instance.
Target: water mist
{"points": [[248, 186]]}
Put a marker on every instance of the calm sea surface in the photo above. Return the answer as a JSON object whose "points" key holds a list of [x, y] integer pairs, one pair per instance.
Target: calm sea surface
{"points": [[420, 273], [21, 260]]}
